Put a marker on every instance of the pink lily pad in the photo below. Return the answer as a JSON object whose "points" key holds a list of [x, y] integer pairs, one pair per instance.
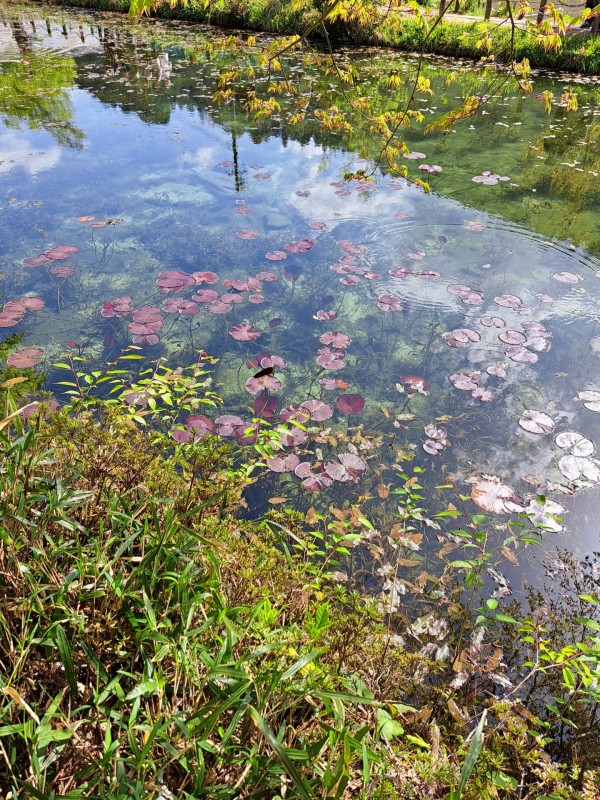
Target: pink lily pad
{"points": [[265, 382], [264, 405], [521, 355], [508, 301], [205, 277], [26, 357], [301, 245], [61, 252], [293, 437], [467, 381], [218, 308], [389, 302], [325, 315], [482, 394], [330, 359], [433, 447], [37, 261], [567, 277], [31, 303], [512, 337], [151, 338], [285, 464], [350, 403], [491, 495], [248, 233], [352, 248], [337, 340], [205, 296], [591, 399], [244, 332], [295, 414], [498, 370], [400, 272], [317, 409], [61, 272], [536, 422], [349, 468], [495, 322], [174, 280], [414, 383], [577, 444]]}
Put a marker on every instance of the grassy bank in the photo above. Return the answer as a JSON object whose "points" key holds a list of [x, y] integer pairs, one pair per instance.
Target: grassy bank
{"points": [[153, 643], [578, 53]]}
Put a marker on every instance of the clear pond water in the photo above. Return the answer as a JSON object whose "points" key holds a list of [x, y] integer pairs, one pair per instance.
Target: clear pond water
{"points": [[460, 327]]}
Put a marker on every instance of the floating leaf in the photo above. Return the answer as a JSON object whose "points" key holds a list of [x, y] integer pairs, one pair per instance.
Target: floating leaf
{"points": [[580, 469], [26, 357], [578, 445], [389, 302], [248, 233], [496, 322], [285, 464], [521, 355], [244, 332], [205, 277], [536, 422], [512, 337], [317, 409], [350, 403], [567, 277], [508, 301], [412, 384], [591, 400], [339, 341], [490, 494]]}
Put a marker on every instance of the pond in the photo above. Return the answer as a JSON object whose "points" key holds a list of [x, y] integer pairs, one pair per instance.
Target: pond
{"points": [[459, 329]]}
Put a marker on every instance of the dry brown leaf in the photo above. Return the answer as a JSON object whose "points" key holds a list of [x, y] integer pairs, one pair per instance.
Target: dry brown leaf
{"points": [[509, 555]]}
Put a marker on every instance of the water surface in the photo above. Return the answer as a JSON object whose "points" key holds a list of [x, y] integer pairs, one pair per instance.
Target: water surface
{"points": [[370, 293]]}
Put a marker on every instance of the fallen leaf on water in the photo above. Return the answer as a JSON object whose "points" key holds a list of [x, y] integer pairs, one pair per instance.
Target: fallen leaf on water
{"points": [[383, 490], [509, 555], [277, 500]]}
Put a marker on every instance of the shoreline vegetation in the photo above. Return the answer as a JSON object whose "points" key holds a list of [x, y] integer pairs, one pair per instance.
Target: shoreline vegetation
{"points": [[578, 52], [163, 635], [154, 642]]}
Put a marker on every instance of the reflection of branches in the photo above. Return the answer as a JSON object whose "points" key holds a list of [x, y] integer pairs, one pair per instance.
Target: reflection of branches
{"points": [[35, 91]]}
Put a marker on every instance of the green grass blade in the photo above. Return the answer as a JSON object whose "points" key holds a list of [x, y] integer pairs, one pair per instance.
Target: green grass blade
{"points": [[301, 786], [472, 755], [65, 656]]}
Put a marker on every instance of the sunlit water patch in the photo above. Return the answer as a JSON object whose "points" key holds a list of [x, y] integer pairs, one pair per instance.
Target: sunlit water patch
{"points": [[363, 319]]}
